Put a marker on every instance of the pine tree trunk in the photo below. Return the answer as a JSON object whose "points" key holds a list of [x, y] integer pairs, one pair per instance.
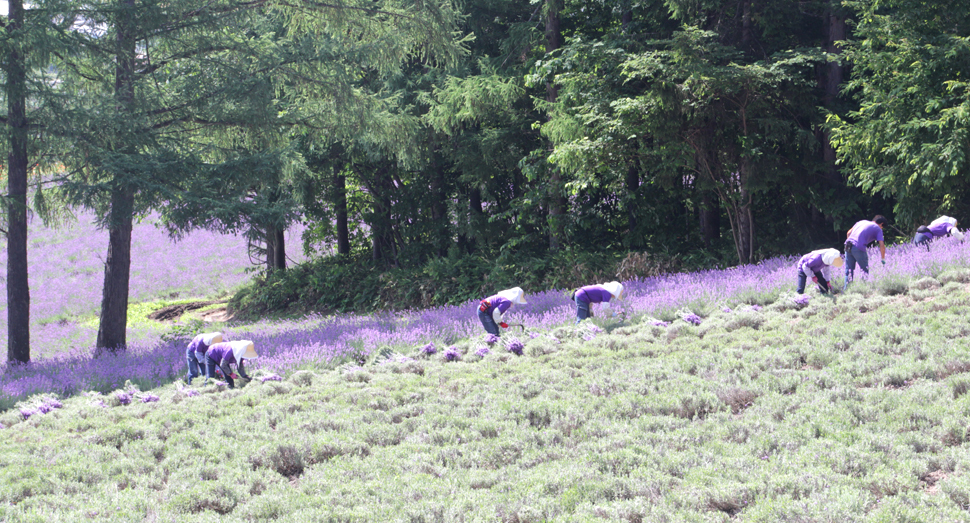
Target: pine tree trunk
{"points": [[557, 202], [439, 209], [834, 76], [710, 219], [343, 233], [633, 215], [275, 249], [18, 289], [113, 324]]}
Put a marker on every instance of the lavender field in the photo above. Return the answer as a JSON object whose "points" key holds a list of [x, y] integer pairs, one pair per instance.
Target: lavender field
{"points": [[206, 265], [722, 397]]}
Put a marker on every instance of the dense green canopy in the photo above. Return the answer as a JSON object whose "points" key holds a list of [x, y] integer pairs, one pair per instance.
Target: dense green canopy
{"points": [[404, 133]]}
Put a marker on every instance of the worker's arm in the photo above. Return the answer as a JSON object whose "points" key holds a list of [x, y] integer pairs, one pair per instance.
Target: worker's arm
{"points": [[882, 249]]}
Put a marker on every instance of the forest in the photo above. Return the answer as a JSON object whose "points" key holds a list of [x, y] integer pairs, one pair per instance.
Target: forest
{"points": [[434, 149]]}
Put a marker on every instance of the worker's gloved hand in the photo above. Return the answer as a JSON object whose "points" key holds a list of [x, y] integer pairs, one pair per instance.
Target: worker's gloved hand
{"points": [[234, 376], [883, 261], [814, 279], [504, 325]]}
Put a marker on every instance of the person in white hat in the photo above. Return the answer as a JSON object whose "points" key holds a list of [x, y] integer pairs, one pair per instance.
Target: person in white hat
{"points": [[195, 353], [491, 310], [942, 226], [586, 296], [225, 354], [813, 265]]}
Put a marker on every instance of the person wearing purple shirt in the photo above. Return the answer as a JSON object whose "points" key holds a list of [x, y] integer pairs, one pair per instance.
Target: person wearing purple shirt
{"points": [[491, 310], [860, 235], [195, 353], [812, 266], [585, 296], [942, 226], [225, 354]]}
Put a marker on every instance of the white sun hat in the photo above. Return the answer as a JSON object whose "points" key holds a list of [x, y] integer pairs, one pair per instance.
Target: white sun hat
{"points": [[956, 234], [243, 349], [943, 219], [514, 295], [832, 257], [615, 288], [212, 337]]}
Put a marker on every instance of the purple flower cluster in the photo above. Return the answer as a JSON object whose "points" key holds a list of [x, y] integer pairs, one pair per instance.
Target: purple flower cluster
{"points": [[452, 354], [190, 392], [482, 351], [515, 347], [492, 339], [658, 323], [429, 349], [27, 412], [49, 404], [123, 398], [690, 317], [756, 308], [801, 300], [148, 398], [270, 377]]}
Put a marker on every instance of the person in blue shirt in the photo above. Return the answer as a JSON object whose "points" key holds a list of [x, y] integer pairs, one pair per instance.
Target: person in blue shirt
{"points": [[224, 354], [942, 226], [195, 353], [590, 294], [858, 237], [813, 265], [491, 310]]}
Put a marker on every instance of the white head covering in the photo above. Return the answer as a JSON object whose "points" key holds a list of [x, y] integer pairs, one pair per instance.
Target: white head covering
{"points": [[956, 233], [212, 337], [243, 349], [944, 219], [832, 257], [614, 287], [514, 295]]}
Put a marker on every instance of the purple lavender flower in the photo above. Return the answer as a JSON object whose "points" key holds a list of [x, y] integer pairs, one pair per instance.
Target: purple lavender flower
{"points": [[726, 309], [429, 349], [149, 398], [190, 392], [492, 339], [27, 412], [756, 308], [659, 323], [482, 351], [123, 397], [692, 318], [452, 354], [270, 377], [515, 347], [99, 403], [801, 299]]}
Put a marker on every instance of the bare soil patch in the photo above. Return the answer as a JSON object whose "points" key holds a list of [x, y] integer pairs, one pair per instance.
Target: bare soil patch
{"points": [[173, 312]]}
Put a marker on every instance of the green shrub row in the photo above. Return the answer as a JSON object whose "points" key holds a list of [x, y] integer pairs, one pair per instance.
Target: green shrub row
{"points": [[348, 283]]}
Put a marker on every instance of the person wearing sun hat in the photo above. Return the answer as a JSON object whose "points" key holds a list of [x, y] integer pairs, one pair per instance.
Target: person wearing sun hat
{"points": [[195, 353], [225, 354], [585, 296], [813, 264], [942, 226], [491, 310]]}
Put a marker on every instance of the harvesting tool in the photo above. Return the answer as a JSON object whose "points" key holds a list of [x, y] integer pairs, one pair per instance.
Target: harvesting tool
{"points": [[519, 325]]}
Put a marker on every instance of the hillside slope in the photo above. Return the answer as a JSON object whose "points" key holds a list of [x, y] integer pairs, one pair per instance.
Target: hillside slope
{"points": [[847, 410]]}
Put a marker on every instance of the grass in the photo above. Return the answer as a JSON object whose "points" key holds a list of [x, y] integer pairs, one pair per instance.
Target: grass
{"points": [[854, 409]]}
